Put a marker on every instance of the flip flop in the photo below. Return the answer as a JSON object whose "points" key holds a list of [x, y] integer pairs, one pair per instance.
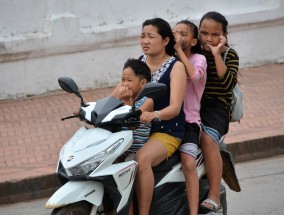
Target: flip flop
{"points": [[204, 209]]}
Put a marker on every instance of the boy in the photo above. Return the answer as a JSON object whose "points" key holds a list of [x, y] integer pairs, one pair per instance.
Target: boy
{"points": [[135, 75]]}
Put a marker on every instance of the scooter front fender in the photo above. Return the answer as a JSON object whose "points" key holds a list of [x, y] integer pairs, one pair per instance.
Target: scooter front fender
{"points": [[75, 191]]}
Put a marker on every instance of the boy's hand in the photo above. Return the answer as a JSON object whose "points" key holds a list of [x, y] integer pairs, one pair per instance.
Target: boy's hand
{"points": [[125, 93], [76, 111]]}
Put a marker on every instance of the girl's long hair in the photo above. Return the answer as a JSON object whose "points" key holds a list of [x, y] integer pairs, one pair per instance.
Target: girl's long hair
{"points": [[197, 48]]}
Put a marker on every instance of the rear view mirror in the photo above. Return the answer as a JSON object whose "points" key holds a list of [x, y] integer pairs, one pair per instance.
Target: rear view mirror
{"points": [[68, 84], [152, 90]]}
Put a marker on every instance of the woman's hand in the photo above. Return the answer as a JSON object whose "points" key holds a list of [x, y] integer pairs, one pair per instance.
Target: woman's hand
{"points": [[148, 117]]}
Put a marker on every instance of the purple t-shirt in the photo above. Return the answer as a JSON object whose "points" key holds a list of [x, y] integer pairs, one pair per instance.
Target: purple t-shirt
{"points": [[194, 89]]}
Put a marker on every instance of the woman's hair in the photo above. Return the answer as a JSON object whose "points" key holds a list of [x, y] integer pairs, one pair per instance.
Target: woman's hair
{"points": [[218, 17], [164, 29], [140, 68], [197, 48]]}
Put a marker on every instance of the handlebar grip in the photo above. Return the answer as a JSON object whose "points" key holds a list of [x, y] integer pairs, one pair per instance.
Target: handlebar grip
{"points": [[156, 121]]}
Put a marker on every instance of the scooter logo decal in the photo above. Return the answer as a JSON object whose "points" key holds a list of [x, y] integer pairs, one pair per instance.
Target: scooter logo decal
{"points": [[90, 193], [70, 158], [123, 173]]}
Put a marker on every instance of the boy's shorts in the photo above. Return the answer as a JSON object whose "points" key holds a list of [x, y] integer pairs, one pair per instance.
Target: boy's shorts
{"points": [[171, 143], [191, 140]]}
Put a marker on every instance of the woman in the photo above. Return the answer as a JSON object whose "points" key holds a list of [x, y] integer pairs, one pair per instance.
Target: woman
{"points": [[157, 43]]}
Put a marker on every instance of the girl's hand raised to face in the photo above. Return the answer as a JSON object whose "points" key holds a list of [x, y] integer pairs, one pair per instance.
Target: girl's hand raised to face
{"points": [[178, 40], [216, 50]]}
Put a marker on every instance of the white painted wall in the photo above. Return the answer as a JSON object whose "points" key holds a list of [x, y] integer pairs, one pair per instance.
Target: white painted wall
{"points": [[89, 40]]}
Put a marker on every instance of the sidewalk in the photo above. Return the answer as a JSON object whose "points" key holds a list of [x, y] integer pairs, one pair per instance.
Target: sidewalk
{"points": [[32, 133]]}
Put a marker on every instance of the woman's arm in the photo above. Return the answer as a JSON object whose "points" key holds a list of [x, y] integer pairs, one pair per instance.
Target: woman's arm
{"points": [[178, 84]]}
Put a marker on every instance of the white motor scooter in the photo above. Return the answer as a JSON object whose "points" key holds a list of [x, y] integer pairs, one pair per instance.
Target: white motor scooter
{"points": [[95, 181]]}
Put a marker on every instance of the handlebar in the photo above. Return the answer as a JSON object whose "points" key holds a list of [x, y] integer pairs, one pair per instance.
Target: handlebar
{"points": [[134, 122], [156, 121], [69, 117]]}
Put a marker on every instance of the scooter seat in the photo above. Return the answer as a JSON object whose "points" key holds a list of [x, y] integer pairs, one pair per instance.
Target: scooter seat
{"points": [[168, 164]]}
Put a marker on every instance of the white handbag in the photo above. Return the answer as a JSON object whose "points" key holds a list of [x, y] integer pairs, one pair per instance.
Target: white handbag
{"points": [[237, 105]]}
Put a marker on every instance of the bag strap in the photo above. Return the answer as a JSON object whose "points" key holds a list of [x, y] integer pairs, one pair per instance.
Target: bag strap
{"points": [[225, 55]]}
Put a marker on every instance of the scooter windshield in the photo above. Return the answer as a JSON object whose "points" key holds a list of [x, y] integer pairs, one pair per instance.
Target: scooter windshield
{"points": [[105, 106]]}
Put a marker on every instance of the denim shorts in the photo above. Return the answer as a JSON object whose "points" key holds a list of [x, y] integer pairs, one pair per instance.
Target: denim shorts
{"points": [[214, 134]]}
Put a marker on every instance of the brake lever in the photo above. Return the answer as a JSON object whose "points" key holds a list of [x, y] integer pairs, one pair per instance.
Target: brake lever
{"points": [[69, 117]]}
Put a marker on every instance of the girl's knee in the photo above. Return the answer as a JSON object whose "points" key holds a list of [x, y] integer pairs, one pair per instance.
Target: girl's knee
{"points": [[189, 165]]}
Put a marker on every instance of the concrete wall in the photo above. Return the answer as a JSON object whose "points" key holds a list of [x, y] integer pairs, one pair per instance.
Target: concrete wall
{"points": [[89, 40]]}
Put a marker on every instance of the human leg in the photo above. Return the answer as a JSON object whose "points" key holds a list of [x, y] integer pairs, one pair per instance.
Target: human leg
{"points": [[191, 182], [159, 147], [188, 152], [151, 154], [213, 167], [131, 209]]}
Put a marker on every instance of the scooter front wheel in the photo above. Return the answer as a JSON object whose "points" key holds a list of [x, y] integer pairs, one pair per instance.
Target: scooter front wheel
{"points": [[82, 208]]}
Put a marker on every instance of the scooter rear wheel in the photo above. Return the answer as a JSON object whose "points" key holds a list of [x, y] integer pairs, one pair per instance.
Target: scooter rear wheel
{"points": [[82, 208]]}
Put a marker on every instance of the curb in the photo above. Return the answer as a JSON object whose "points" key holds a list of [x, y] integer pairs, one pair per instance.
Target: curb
{"points": [[257, 148], [28, 189], [46, 185]]}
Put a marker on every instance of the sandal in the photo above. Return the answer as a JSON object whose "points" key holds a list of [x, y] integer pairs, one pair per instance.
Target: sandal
{"points": [[208, 206]]}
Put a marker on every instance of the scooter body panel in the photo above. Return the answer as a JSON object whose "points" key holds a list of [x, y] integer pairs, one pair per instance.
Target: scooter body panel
{"points": [[123, 175], [76, 191], [87, 142]]}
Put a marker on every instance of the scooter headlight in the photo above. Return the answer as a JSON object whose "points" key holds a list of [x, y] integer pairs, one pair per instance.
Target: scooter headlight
{"points": [[95, 161]]}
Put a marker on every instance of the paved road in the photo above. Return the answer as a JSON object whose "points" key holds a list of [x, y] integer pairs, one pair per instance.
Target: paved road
{"points": [[262, 188], [262, 191]]}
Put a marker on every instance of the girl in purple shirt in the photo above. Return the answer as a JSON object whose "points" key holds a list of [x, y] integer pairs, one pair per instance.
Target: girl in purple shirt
{"points": [[188, 50]]}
